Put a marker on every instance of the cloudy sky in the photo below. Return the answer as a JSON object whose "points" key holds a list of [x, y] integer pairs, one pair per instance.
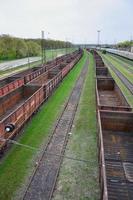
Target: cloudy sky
{"points": [[73, 20]]}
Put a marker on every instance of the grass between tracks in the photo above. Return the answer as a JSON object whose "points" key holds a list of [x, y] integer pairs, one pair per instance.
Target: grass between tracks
{"points": [[19, 161], [123, 88], [79, 180], [123, 63], [125, 60], [119, 67]]}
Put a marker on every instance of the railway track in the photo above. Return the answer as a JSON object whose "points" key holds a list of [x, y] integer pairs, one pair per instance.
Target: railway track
{"points": [[127, 83], [126, 66], [126, 60], [43, 180]]}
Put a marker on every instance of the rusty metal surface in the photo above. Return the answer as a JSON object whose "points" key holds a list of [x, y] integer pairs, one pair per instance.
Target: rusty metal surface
{"points": [[102, 72], [109, 95], [115, 121], [43, 180], [19, 105], [116, 136], [10, 86], [118, 148], [98, 60]]}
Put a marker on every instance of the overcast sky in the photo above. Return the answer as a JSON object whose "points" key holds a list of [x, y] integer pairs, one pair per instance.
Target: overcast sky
{"points": [[73, 20]]}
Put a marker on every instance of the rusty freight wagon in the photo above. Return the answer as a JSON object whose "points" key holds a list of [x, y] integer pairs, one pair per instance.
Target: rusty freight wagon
{"points": [[102, 72], [115, 119], [29, 74], [18, 79], [69, 64], [48, 80], [98, 60], [116, 155], [109, 95], [16, 108], [9, 84]]}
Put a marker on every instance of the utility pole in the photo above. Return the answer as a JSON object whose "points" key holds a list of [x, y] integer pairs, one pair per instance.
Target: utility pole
{"points": [[66, 45], [43, 49], [28, 57], [42, 45], [131, 48], [98, 38], [50, 47]]}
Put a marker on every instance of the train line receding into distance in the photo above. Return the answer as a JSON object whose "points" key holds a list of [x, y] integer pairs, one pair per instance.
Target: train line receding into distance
{"points": [[115, 133], [19, 102]]}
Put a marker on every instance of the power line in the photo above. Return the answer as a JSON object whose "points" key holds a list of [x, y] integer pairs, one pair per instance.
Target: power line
{"points": [[45, 151]]}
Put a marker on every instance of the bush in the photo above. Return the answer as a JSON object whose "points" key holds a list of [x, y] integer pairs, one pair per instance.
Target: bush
{"points": [[91, 51], [104, 51]]}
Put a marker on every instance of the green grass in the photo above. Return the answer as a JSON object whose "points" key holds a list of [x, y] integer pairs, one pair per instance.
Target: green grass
{"points": [[129, 62], [118, 66], [79, 180], [123, 88], [123, 63], [19, 161]]}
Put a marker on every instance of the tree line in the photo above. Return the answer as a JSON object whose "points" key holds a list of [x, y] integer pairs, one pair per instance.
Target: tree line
{"points": [[125, 44], [13, 47]]}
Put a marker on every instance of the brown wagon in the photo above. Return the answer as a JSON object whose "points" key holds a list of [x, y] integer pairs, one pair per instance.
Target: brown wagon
{"points": [[116, 155], [109, 95], [48, 80], [16, 108], [9, 84]]}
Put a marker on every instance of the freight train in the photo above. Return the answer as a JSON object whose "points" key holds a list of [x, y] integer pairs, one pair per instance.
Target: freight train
{"points": [[115, 136], [21, 94]]}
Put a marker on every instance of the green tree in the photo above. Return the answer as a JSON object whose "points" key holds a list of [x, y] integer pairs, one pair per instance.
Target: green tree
{"points": [[21, 48], [33, 48]]}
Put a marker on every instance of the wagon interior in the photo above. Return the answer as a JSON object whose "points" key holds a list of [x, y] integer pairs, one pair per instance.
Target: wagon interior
{"points": [[25, 72], [6, 81], [102, 72], [99, 63], [14, 99], [45, 77], [118, 153], [62, 65], [109, 93]]}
